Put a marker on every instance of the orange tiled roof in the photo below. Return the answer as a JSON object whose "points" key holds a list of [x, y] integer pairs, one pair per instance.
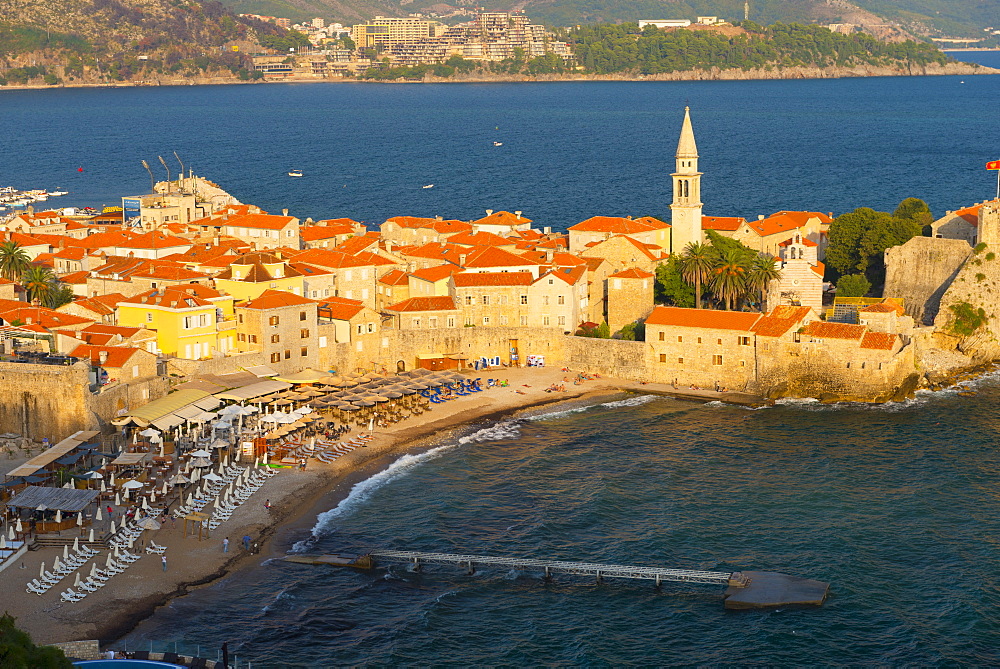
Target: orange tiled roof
{"points": [[618, 225], [396, 277], [481, 238], [702, 318], [502, 218], [442, 226], [274, 299], [258, 221], [100, 328], [568, 274], [779, 321], [118, 356], [970, 214], [154, 240], [724, 223], [819, 268], [357, 244], [882, 308], [785, 221], [340, 308], [825, 330], [495, 257], [330, 259], [47, 318], [804, 242], [436, 303], [471, 279], [75, 278], [632, 274], [436, 273], [881, 341], [168, 273], [176, 297], [567, 260]]}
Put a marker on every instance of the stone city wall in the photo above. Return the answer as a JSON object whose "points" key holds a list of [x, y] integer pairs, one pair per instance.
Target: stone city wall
{"points": [[920, 271]]}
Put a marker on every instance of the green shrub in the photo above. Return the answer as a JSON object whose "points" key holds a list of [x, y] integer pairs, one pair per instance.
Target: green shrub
{"points": [[991, 255], [853, 285], [980, 277], [968, 319], [980, 247]]}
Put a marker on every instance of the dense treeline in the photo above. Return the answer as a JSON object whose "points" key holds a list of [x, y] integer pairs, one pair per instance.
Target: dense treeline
{"points": [[620, 48]]}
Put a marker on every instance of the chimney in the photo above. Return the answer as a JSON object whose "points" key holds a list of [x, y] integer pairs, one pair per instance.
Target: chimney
{"points": [[438, 218], [215, 240], [517, 214], [461, 259], [284, 212], [31, 210], [760, 217], [547, 230], [549, 254], [489, 212], [309, 220], [102, 357]]}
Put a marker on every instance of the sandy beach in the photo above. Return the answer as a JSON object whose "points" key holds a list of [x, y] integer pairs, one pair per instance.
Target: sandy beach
{"points": [[295, 498]]}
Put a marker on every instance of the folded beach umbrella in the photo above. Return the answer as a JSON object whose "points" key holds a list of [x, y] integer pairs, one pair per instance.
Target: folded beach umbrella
{"points": [[110, 560], [113, 530], [118, 499], [56, 564], [65, 551], [41, 571], [58, 515], [18, 527], [93, 570], [90, 539], [98, 516], [79, 520], [10, 533], [76, 581], [3, 542]]}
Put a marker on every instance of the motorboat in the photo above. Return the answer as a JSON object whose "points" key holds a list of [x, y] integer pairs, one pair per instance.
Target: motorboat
{"points": [[295, 173], [428, 186], [497, 143]]}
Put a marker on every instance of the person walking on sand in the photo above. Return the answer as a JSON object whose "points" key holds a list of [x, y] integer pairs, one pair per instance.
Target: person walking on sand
{"points": [[246, 542], [163, 559], [225, 545], [267, 504]]}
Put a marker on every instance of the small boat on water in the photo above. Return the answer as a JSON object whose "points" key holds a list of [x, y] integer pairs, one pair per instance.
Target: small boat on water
{"points": [[57, 193], [428, 186], [497, 143], [295, 173]]}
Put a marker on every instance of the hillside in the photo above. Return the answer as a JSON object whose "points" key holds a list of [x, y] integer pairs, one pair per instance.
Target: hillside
{"points": [[69, 41]]}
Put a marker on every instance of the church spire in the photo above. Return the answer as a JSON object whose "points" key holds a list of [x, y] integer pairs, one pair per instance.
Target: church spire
{"points": [[686, 148]]}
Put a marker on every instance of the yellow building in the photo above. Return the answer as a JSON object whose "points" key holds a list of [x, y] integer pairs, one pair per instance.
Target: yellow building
{"points": [[253, 273], [192, 321]]}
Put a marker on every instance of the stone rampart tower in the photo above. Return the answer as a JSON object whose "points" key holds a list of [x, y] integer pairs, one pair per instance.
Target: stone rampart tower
{"points": [[685, 210], [989, 224]]}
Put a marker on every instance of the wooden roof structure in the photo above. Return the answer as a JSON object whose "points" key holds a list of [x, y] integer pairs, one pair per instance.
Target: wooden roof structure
{"points": [[70, 500]]}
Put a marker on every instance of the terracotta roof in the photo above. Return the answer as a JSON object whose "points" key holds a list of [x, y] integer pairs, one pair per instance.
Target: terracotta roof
{"points": [[416, 222], [819, 268], [273, 299], [785, 221], [175, 297], [970, 214], [47, 318], [154, 240], [568, 274], [330, 259], [372, 258], [804, 242], [618, 225], [340, 308], [724, 223], [357, 244], [632, 274], [258, 221], [825, 330], [502, 218], [495, 257], [70, 253], [118, 356], [308, 270], [470, 279], [567, 260], [396, 277], [481, 238], [437, 303], [645, 249], [779, 321], [435, 251], [103, 305], [100, 328], [75, 278], [881, 341], [168, 273], [437, 273], [109, 239], [882, 308], [702, 318]]}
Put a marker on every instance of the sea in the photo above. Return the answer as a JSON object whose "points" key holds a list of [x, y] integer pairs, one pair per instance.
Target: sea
{"points": [[896, 506]]}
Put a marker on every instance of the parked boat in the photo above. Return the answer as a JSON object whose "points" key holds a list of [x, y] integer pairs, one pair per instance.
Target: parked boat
{"points": [[295, 173]]}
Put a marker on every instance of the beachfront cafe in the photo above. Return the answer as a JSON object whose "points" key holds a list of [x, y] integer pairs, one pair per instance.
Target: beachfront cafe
{"points": [[53, 509]]}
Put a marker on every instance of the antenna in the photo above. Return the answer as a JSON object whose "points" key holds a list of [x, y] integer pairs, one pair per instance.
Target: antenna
{"points": [[164, 163]]}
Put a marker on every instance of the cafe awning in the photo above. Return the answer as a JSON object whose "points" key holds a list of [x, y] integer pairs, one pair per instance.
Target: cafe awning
{"points": [[156, 409], [253, 390], [130, 458], [54, 499], [261, 370], [61, 449]]}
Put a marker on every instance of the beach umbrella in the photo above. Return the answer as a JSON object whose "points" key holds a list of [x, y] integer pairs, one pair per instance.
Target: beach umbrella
{"points": [[76, 581], [68, 485], [104, 488], [3, 542], [41, 571], [56, 564], [91, 539], [118, 554], [164, 491], [113, 530], [152, 496], [98, 516], [110, 560], [190, 499], [179, 479], [128, 495], [149, 524], [212, 476], [265, 460], [10, 533], [131, 485], [19, 530], [65, 552], [79, 519], [112, 479], [200, 453], [93, 570], [163, 450], [150, 432], [58, 515], [118, 499]]}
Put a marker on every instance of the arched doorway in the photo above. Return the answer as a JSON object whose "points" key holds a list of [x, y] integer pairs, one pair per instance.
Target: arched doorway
{"points": [[400, 366]]}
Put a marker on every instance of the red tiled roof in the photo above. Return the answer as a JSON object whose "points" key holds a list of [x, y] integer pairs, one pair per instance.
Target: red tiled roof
{"points": [[881, 341], [618, 225], [416, 222], [437, 303], [779, 321], [822, 329], [804, 242], [819, 268], [495, 257], [340, 308], [168, 273], [154, 240], [75, 278], [702, 318], [311, 233], [470, 279], [785, 221], [436, 273], [568, 274], [176, 297], [118, 356], [330, 259], [47, 318], [395, 278], [111, 329], [481, 238], [502, 218], [970, 214], [882, 308], [258, 221], [357, 244], [632, 274], [725, 223], [273, 299]]}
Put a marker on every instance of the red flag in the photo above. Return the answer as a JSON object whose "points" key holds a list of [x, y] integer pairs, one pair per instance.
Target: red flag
{"points": [[80, 169], [993, 165]]}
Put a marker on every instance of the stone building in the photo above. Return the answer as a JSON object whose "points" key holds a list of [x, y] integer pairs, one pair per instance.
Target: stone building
{"points": [[418, 313], [117, 363], [351, 319], [646, 230], [630, 297], [801, 282], [493, 299], [559, 299], [962, 224], [624, 252], [392, 287], [415, 231], [282, 326], [685, 210]]}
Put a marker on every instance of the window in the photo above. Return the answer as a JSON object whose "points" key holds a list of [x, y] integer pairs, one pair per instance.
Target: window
{"points": [[797, 338], [699, 340], [305, 351], [203, 320], [663, 357], [416, 323], [680, 361], [432, 322], [275, 339], [304, 333], [360, 328], [744, 341], [524, 299], [135, 371], [663, 336], [545, 320], [503, 299], [149, 317], [275, 357], [503, 320], [561, 300], [239, 319], [680, 339], [273, 320], [486, 320], [253, 339], [302, 315], [451, 321], [524, 320], [241, 337], [486, 299], [322, 342], [288, 354], [371, 327], [719, 342], [562, 320], [188, 322], [717, 360], [545, 300], [468, 299]]}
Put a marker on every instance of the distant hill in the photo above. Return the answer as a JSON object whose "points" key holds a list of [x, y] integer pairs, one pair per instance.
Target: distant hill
{"points": [[921, 17], [95, 41]]}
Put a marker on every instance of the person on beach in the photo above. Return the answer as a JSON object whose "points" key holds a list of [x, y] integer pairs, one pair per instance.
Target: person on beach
{"points": [[225, 545], [267, 504], [163, 559], [256, 547], [111, 512], [246, 542]]}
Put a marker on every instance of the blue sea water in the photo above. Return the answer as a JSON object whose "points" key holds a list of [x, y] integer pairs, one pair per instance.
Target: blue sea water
{"points": [[895, 506]]}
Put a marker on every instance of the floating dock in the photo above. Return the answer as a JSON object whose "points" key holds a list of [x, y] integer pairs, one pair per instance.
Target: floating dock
{"points": [[744, 589]]}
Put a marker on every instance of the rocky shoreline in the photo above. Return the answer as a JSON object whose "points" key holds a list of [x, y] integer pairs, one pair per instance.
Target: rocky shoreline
{"points": [[712, 74]]}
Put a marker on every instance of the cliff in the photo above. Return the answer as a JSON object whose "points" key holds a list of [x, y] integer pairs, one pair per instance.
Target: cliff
{"points": [[920, 271], [970, 307]]}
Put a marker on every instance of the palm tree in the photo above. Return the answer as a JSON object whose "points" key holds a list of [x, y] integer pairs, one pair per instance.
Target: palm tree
{"points": [[696, 265], [762, 273], [729, 278], [14, 260], [59, 295], [39, 282]]}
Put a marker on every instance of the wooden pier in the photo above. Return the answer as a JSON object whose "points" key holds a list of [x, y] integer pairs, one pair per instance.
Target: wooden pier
{"points": [[745, 590]]}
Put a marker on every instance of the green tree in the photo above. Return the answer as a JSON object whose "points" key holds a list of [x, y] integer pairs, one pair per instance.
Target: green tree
{"points": [[853, 285], [697, 263], [858, 239], [14, 260], [18, 652], [39, 282], [633, 332], [670, 286], [59, 295], [762, 272], [729, 278], [602, 331]]}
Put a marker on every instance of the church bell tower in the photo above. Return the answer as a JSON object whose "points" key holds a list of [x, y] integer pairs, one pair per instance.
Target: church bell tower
{"points": [[685, 210]]}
